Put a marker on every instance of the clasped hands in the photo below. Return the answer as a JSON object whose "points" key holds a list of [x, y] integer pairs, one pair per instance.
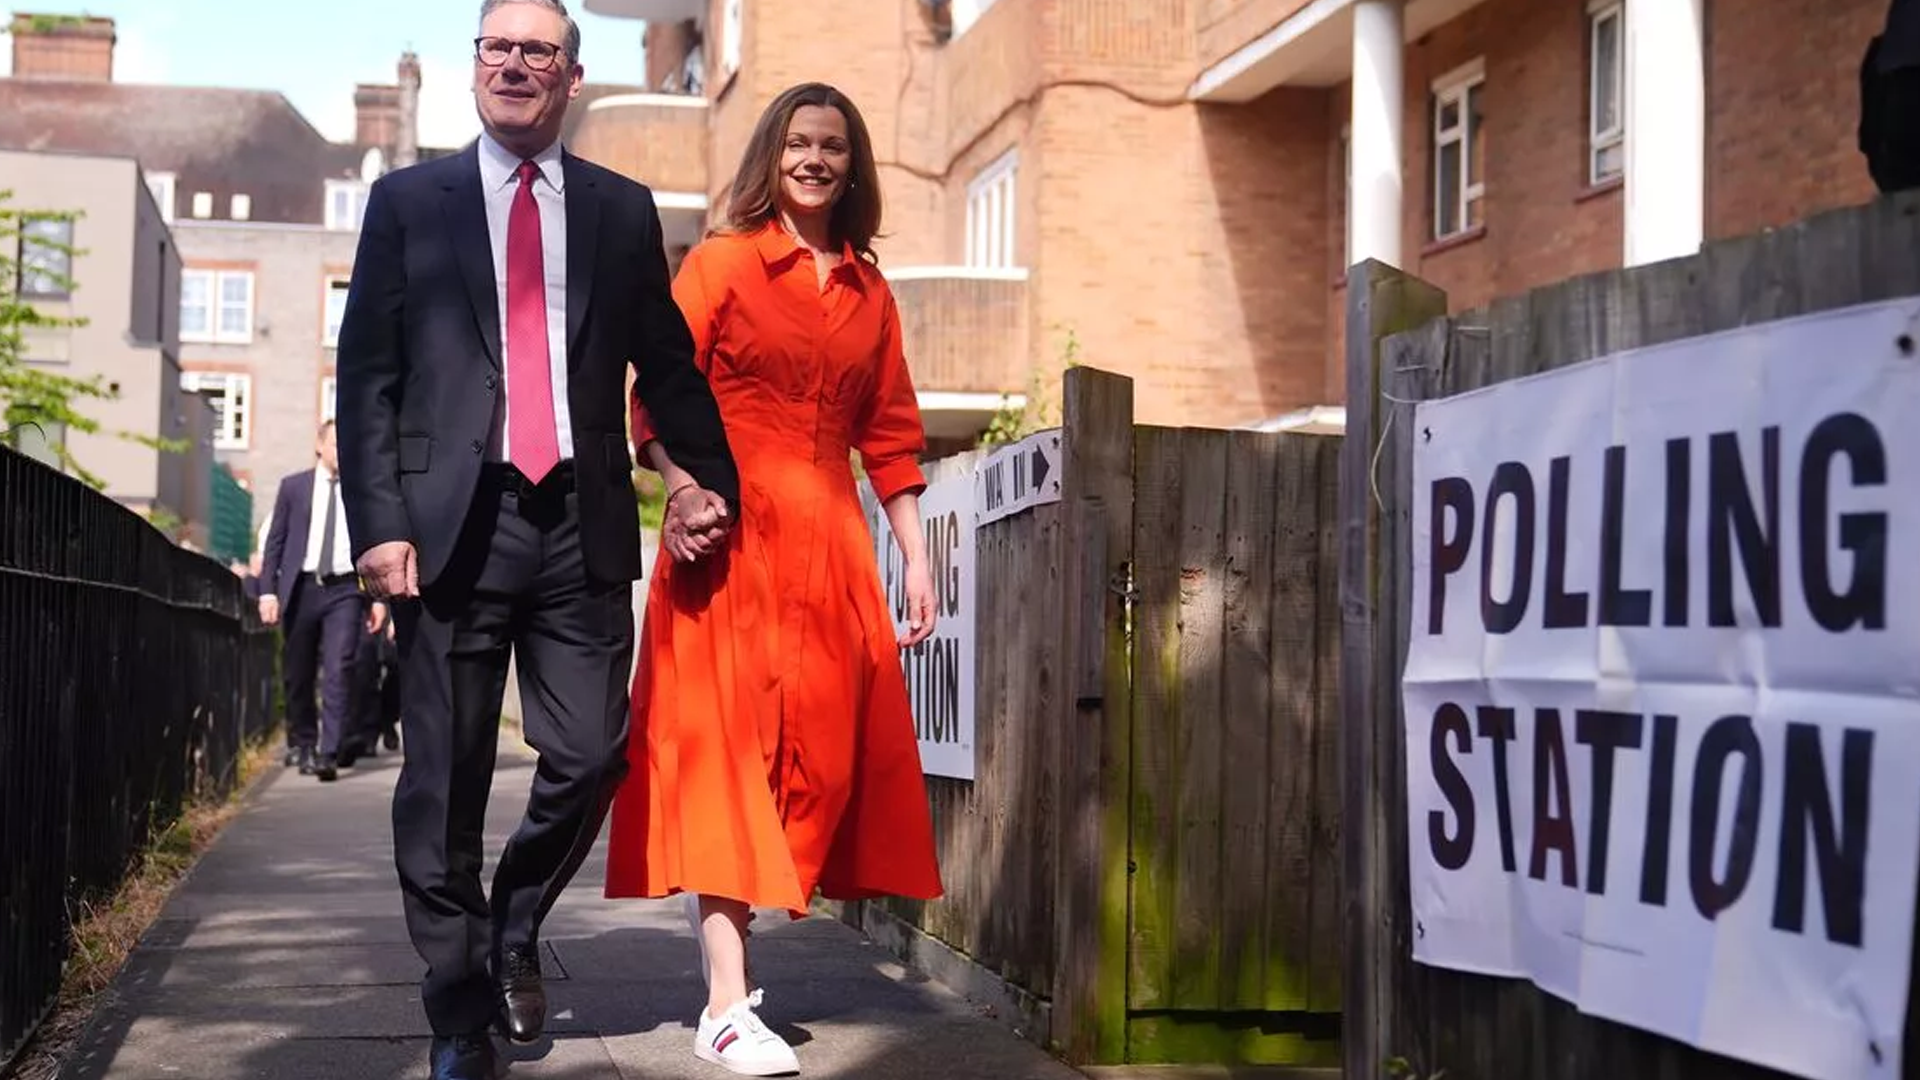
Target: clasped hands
{"points": [[695, 524]]}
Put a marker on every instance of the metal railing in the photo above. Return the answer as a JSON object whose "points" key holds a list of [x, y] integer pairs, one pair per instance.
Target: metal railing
{"points": [[132, 675]]}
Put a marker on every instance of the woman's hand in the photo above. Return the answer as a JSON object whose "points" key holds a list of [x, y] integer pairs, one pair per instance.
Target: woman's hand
{"points": [[920, 609]]}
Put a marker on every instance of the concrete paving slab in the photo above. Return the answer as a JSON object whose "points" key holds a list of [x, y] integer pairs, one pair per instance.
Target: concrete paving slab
{"points": [[285, 955]]}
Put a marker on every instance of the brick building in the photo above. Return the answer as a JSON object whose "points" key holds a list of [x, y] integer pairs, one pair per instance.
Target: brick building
{"points": [[1162, 186]]}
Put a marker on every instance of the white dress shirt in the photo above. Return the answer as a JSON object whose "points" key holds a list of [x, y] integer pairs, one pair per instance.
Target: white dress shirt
{"points": [[499, 181], [317, 524]]}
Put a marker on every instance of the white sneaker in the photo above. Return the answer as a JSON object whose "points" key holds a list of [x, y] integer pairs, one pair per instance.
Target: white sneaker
{"points": [[740, 1043]]}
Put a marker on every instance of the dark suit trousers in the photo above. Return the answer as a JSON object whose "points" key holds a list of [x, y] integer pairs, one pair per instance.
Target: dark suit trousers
{"points": [[323, 628], [375, 707], [517, 581]]}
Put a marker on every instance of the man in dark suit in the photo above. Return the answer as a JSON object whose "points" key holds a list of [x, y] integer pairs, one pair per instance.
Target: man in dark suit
{"points": [[307, 581], [498, 297]]}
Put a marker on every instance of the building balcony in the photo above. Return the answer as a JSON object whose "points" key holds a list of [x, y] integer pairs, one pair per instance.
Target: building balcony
{"points": [[650, 10], [967, 343], [659, 140]]}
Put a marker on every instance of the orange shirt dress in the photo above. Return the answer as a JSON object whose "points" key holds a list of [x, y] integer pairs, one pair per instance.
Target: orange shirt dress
{"points": [[772, 749]]}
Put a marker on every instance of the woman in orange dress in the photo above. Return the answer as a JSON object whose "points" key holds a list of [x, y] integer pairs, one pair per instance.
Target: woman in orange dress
{"points": [[773, 748]]}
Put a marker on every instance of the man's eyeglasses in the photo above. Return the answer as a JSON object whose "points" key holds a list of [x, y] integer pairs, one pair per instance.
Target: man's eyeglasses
{"points": [[494, 51]]}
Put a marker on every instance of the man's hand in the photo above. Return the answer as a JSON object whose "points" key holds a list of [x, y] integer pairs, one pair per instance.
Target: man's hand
{"points": [[390, 570], [695, 524], [270, 610], [920, 609], [376, 617]]}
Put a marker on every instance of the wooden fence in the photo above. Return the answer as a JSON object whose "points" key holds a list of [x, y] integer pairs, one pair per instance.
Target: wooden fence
{"points": [[1401, 349], [1149, 853]]}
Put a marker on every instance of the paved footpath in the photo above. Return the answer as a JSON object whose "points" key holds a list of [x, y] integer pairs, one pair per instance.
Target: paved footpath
{"points": [[284, 956]]}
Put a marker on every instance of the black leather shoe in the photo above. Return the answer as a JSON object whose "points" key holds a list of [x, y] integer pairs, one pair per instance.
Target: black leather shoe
{"points": [[326, 768], [462, 1057], [391, 740], [523, 997], [349, 754], [305, 760]]}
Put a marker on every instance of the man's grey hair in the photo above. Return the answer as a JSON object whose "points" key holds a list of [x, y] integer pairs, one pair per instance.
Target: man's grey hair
{"points": [[558, 7]]}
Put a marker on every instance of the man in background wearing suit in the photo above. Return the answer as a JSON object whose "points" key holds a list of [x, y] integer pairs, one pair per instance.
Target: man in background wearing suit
{"points": [[499, 296], [307, 580]]}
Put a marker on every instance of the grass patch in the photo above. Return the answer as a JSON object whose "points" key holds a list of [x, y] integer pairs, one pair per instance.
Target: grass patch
{"points": [[105, 934]]}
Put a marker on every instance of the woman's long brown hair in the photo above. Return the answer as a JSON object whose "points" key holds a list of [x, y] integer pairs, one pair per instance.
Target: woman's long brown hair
{"points": [[755, 198]]}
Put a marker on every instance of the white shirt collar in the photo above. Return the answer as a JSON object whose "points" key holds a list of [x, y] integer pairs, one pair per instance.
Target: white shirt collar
{"points": [[321, 474], [500, 166]]}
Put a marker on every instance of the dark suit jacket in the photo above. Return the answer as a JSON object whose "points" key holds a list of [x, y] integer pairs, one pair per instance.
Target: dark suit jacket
{"points": [[419, 361], [286, 549]]}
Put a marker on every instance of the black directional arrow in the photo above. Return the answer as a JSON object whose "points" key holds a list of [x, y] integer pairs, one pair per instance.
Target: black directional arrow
{"points": [[1039, 468]]}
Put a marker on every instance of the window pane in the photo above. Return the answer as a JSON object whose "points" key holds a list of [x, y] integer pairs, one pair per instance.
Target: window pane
{"points": [[336, 310], [1447, 191], [1606, 74], [46, 264], [196, 301], [1609, 162], [1449, 114], [1476, 139], [235, 288]]}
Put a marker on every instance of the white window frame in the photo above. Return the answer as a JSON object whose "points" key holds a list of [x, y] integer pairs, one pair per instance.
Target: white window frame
{"points": [[330, 319], [233, 428], [329, 390], [967, 12], [240, 207], [1456, 88], [162, 185], [203, 204], [1601, 139], [216, 304], [355, 192], [992, 213]]}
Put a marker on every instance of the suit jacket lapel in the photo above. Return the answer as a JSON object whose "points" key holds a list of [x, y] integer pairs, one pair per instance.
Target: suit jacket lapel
{"points": [[466, 213], [583, 238]]}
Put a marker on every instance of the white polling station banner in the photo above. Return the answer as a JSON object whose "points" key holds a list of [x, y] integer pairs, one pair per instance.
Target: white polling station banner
{"points": [[1662, 693], [940, 670]]}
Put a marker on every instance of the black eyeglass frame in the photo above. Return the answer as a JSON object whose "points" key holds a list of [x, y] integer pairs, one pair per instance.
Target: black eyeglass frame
{"points": [[479, 52]]}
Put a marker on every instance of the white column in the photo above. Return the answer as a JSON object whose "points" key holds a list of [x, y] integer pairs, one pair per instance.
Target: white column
{"points": [[1379, 82], [1666, 113]]}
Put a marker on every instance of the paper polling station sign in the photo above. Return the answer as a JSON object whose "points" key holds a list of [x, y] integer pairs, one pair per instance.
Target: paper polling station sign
{"points": [[940, 670], [1663, 732]]}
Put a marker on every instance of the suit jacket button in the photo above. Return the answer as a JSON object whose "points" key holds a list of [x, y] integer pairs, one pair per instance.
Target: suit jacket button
{"points": [[491, 382], [476, 446]]}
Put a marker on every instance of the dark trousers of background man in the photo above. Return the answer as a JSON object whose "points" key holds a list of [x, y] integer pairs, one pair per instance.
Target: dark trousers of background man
{"points": [[375, 701], [324, 624]]}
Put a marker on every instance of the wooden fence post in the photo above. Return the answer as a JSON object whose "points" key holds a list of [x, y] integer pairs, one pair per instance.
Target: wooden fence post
{"points": [[1381, 302], [1090, 776]]}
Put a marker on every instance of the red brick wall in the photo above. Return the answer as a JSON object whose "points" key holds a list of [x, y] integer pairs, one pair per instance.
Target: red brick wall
{"points": [[1784, 105], [1543, 222]]}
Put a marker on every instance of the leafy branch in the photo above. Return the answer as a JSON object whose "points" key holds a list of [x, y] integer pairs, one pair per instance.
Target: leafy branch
{"points": [[1011, 423]]}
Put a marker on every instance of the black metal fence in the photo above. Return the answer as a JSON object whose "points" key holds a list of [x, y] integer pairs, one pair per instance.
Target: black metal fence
{"points": [[132, 675]]}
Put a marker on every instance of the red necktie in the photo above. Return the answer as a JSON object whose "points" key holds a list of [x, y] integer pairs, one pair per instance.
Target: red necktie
{"points": [[532, 444]]}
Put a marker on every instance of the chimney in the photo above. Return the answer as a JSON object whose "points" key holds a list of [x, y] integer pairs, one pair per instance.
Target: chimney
{"points": [[377, 116], [77, 48], [406, 148]]}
